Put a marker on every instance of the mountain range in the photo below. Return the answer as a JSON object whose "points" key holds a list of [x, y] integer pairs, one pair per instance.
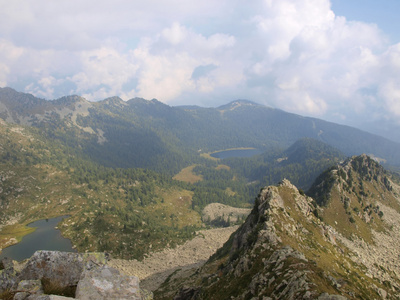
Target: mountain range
{"points": [[143, 133]]}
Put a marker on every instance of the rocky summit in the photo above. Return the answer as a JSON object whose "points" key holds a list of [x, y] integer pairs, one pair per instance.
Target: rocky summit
{"points": [[292, 246]]}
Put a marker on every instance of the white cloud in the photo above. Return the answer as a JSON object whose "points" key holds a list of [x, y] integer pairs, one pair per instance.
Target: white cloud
{"points": [[291, 54], [175, 34], [390, 92]]}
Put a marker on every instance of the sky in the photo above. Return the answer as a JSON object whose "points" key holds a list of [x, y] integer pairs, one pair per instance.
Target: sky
{"points": [[337, 60]]}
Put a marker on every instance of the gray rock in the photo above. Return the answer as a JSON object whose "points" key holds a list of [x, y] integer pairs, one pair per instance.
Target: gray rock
{"points": [[29, 290], [326, 296], [382, 293], [105, 282], [31, 286], [63, 268], [21, 296], [8, 276]]}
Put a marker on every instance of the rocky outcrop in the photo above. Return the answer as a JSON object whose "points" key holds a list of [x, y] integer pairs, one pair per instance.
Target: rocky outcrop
{"points": [[217, 213], [285, 251], [107, 283], [64, 275], [8, 276]]}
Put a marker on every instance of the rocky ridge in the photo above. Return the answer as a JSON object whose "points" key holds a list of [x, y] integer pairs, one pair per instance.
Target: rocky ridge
{"points": [[290, 247]]}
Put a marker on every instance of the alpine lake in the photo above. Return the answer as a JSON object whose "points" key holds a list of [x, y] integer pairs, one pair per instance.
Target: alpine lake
{"points": [[45, 237]]}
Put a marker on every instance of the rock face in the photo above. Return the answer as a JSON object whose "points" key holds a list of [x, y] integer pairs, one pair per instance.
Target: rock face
{"points": [[107, 283], [8, 276], [68, 276], [290, 247]]}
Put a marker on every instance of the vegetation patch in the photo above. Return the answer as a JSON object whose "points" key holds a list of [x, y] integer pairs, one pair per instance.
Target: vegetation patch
{"points": [[187, 175], [50, 287], [17, 232], [222, 167]]}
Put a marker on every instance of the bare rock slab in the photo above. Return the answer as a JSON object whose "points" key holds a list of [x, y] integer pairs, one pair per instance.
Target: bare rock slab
{"points": [[107, 283]]}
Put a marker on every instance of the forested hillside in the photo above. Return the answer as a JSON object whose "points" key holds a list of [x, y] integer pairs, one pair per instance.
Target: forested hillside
{"points": [[122, 211]]}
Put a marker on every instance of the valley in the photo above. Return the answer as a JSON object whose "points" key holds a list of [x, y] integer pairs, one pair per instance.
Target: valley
{"points": [[135, 185]]}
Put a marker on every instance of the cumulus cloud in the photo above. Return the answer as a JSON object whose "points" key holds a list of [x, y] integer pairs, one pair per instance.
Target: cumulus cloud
{"points": [[292, 54]]}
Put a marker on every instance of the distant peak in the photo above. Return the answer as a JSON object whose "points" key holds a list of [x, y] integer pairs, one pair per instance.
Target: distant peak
{"points": [[237, 103], [114, 101], [70, 99]]}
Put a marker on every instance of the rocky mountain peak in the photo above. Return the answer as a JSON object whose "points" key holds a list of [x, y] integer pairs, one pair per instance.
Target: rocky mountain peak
{"points": [[115, 102], [237, 104], [350, 176], [287, 250]]}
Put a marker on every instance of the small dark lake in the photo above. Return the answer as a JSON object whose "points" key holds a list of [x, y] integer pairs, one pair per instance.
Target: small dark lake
{"points": [[45, 237], [236, 153]]}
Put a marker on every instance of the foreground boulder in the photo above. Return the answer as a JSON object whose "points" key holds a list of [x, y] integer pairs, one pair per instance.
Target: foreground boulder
{"points": [[107, 283], [8, 276], [63, 275]]}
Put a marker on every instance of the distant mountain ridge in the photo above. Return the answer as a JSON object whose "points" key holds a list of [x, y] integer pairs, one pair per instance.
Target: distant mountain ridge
{"points": [[112, 126]]}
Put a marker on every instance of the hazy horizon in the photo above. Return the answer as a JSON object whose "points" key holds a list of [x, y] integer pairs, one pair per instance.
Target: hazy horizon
{"points": [[334, 60]]}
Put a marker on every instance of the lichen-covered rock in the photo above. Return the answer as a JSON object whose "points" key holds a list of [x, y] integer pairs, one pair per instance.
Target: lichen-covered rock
{"points": [[29, 290], [31, 286], [107, 283], [8, 276], [62, 272], [326, 296], [63, 268]]}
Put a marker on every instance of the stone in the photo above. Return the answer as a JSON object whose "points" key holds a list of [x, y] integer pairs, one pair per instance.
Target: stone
{"points": [[8, 276], [326, 296], [63, 272], [104, 282], [22, 296], [187, 293], [382, 293], [62, 268], [29, 290], [31, 286]]}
